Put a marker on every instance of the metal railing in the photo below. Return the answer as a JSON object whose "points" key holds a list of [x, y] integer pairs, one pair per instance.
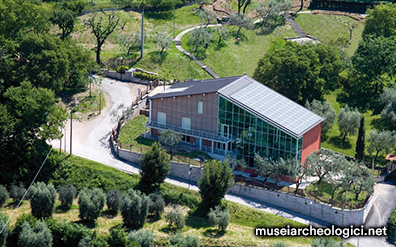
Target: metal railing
{"points": [[195, 133]]}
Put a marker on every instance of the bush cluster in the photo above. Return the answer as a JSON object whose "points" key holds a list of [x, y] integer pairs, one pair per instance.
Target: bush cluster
{"points": [[122, 68], [12, 240], [157, 205], [176, 217], [67, 194], [113, 200], [67, 234], [3, 195], [184, 241], [134, 208], [219, 217], [17, 192], [143, 237], [91, 202], [145, 76], [4, 234], [42, 200], [37, 236]]}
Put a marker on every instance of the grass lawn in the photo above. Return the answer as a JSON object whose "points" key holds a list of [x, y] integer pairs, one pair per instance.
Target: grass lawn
{"points": [[332, 29], [232, 58]]}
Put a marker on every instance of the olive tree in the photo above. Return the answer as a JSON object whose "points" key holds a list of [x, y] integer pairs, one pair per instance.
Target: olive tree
{"points": [[67, 194], [37, 236], [163, 41], [91, 202], [134, 209], [348, 121], [325, 110], [170, 138], [219, 217], [381, 141], [42, 200]]}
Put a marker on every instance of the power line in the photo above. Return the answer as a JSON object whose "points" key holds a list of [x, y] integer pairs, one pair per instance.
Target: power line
{"points": [[23, 197]]}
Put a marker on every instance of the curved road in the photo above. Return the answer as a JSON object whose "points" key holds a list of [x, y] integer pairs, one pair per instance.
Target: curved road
{"points": [[90, 140]]}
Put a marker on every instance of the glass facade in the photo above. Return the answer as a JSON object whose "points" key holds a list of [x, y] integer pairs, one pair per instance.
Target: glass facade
{"points": [[253, 135]]}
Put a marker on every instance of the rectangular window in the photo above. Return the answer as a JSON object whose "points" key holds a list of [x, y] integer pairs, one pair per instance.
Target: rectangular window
{"points": [[186, 123], [161, 118], [200, 107]]}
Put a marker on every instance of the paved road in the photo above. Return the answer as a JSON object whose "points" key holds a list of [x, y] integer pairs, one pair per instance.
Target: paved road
{"points": [[90, 140]]}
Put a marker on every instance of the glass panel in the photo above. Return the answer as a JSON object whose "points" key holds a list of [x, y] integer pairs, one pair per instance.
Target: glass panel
{"points": [[161, 118]]}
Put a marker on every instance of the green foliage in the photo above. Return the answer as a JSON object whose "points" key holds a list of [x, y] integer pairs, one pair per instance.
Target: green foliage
{"points": [[300, 72], [118, 237], [269, 13], [42, 200], [65, 16], [242, 21], [163, 41], [199, 37], [87, 173], [279, 244], [134, 208], [122, 68], [348, 121], [381, 142], [219, 217], [214, 183], [17, 192], [381, 21], [392, 224], [325, 110], [157, 205], [90, 203], [35, 118], [143, 237], [3, 196], [6, 231], [145, 76], [176, 217], [184, 241], [360, 142], [222, 32], [66, 234], [12, 240], [326, 242], [322, 163], [37, 236], [113, 200], [271, 167], [131, 41], [169, 138], [388, 114], [155, 167], [175, 195], [99, 241], [67, 194]]}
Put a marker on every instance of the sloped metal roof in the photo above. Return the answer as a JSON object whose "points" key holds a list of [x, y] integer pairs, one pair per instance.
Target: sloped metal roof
{"points": [[256, 98]]}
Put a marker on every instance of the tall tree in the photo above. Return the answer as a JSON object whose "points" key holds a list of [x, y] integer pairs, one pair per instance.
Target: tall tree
{"points": [[207, 16], [325, 110], [170, 138], [102, 27], [241, 21], [381, 21], [380, 142], [348, 121], [65, 16], [199, 37], [322, 163], [130, 41], [388, 114], [222, 32], [243, 4], [270, 12], [42, 200], [214, 183], [155, 167], [360, 142], [300, 72]]}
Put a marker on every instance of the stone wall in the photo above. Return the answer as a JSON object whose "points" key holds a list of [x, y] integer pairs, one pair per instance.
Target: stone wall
{"points": [[127, 76], [308, 207]]}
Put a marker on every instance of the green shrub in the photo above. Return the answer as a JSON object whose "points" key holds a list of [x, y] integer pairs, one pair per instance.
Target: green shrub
{"points": [[91, 202], [122, 68], [17, 192], [99, 241], [176, 217], [143, 237], [12, 240], [4, 234], [184, 241], [37, 236], [134, 208], [113, 200], [219, 217], [67, 194], [145, 76], [42, 200], [3, 195], [118, 237], [182, 196], [392, 224], [279, 244], [66, 234], [326, 242], [157, 205]]}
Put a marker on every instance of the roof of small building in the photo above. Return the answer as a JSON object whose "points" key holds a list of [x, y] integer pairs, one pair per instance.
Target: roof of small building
{"points": [[254, 97]]}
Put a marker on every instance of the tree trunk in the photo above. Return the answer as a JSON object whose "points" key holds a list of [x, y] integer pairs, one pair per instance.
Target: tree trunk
{"points": [[219, 40], [344, 136], [98, 50], [129, 50], [239, 30], [63, 34], [320, 180], [162, 49], [357, 195], [171, 152], [244, 9], [302, 5]]}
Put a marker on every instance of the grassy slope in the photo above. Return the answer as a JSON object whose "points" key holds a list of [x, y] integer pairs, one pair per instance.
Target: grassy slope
{"points": [[239, 233], [232, 58], [329, 28]]}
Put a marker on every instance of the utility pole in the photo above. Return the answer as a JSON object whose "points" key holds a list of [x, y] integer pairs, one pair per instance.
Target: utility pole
{"points": [[142, 40]]}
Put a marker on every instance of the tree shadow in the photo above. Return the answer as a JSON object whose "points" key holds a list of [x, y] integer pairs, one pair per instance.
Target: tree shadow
{"points": [[338, 142], [200, 53], [108, 214], [213, 233], [87, 223], [268, 29], [62, 209], [169, 229], [377, 123], [220, 45], [242, 36], [157, 57], [160, 15]]}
